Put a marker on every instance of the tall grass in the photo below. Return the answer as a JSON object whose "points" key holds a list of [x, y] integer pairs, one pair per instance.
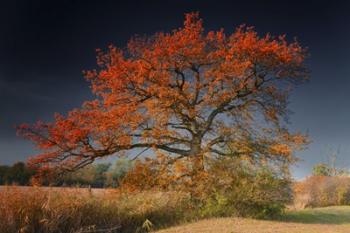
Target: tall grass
{"points": [[44, 210]]}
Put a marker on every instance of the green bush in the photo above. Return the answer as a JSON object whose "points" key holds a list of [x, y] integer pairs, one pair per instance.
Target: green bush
{"points": [[239, 188]]}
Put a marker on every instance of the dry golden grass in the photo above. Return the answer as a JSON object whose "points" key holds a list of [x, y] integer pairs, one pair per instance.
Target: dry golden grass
{"points": [[73, 210]]}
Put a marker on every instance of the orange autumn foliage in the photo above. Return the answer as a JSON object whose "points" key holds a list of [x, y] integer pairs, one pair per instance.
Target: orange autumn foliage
{"points": [[189, 94]]}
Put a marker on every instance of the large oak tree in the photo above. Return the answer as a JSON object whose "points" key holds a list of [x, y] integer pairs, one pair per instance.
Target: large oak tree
{"points": [[189, 94]]}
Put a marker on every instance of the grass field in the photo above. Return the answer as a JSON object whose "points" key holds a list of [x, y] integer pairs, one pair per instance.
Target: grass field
{"points": [[319, 220], [71, 210], [76, 210]]}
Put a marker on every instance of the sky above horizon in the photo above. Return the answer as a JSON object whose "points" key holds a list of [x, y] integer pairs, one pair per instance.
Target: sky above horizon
{"points": [[45, 45]]}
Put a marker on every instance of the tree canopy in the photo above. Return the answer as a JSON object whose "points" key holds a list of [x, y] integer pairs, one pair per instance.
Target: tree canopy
{"points": [[188, 94]]}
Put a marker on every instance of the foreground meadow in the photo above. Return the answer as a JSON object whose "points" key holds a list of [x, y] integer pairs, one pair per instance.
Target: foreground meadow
{"points": [[77, 210], [319, 220]]}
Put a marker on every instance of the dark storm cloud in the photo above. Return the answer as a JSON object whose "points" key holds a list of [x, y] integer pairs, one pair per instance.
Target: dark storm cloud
{"points": [[44, 46]]}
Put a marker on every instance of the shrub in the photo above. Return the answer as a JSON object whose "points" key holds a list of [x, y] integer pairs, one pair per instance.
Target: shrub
{"points": [[320, 191], [243, 189], [228, 187]]}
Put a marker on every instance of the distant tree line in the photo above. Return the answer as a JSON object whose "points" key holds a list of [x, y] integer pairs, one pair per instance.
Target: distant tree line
{"points": [[97, 175], [18, 173]]}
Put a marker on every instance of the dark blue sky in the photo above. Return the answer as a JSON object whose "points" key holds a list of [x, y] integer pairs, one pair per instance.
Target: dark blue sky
{"points": [[44, 46]]}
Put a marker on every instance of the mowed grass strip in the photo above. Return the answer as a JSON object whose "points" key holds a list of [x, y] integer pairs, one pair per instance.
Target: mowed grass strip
{"points": [[319, 220], [326, 215]]}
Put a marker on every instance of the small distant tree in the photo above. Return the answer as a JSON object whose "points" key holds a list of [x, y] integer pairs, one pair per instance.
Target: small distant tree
{"points": [[83, 177], [336, 170], [321, 169], [118, 171], [330, 168], [94, 175], [101, 174]]}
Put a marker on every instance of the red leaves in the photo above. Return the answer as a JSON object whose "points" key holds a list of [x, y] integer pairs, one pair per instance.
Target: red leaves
{"points": [[169, 90]]}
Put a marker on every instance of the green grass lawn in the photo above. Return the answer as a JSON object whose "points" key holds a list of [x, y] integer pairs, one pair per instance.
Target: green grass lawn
{"points": [[319, 220], [326, 215]]}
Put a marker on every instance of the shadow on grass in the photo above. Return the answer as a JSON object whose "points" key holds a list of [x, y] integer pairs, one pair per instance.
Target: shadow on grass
{"points": [[327, 215]]}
